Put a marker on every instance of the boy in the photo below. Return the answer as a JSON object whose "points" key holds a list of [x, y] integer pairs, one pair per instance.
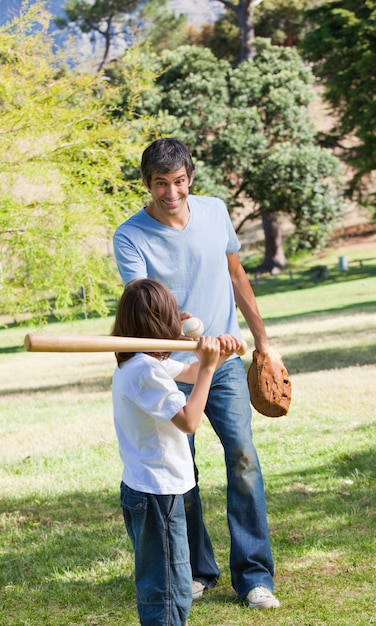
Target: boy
{"points": [[152, 418]]}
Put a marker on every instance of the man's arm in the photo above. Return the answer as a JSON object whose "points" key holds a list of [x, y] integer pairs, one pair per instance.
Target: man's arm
{"points": [[246, 301]]}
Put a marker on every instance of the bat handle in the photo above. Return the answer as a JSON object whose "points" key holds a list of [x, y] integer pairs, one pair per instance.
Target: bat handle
{"points": [[243, 348], [240, 351]]}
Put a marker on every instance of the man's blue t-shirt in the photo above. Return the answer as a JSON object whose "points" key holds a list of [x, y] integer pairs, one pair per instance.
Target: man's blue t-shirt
{"points": [[191, 262]]}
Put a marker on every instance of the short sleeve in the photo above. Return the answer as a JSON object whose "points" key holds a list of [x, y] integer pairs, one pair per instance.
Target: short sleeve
{"points": [[159, 396]]}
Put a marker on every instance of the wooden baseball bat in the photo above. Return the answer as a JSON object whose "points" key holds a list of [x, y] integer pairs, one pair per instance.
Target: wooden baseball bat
{"points": [[46, 342]]}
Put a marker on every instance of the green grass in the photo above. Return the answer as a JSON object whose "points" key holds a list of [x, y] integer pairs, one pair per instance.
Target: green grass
{"points": [[65, 556]]}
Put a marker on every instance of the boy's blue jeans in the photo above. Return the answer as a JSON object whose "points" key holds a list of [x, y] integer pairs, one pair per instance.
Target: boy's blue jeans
{"points": [[228, 409], [157, 528]]}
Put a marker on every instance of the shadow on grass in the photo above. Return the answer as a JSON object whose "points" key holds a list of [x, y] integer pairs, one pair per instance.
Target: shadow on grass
{"points": [[67, 554], [71, 554], [328, 359], [88, 385], [339, 518], [329, 506], [294, 278], [345, 311], [12, 349], [30, 325], [50, 318]]}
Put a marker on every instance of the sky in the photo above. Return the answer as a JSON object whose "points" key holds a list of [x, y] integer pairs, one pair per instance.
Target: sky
{"points": [[198, 11]]}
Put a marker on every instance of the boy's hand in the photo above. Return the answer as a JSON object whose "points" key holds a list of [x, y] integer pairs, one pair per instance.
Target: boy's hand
{"points": [[208, 351]]}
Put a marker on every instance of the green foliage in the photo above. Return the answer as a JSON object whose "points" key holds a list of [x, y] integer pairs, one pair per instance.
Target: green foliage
{"points": [[61, 182], [297, 180], [281, 20], [342, 46], [222, 37], [193, 88], [162, 30], [249, 131]]}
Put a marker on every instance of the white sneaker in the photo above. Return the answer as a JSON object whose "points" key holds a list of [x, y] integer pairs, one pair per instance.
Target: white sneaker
{"points": [[261, 598], [197, 590]]}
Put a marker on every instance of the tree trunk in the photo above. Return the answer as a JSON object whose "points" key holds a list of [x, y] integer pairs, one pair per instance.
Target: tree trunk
{"points": [[108, 40], [244, 16], [274, 261]]}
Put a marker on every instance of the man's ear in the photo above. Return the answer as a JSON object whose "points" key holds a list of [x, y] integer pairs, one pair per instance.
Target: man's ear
{"points": [[191, 180], [146, 185]]}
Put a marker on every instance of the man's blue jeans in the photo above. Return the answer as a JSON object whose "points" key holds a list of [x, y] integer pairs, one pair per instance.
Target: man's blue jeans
{"points": [[228, 409], [157, 528]]}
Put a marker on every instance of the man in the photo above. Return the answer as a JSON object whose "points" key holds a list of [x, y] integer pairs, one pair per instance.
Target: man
{"points": [[188, 243]]}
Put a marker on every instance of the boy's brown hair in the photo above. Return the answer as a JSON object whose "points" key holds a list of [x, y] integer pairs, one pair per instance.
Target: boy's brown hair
{"points": [[146, 309]]}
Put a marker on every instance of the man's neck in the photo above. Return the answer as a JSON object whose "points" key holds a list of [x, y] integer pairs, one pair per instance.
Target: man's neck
{"points": [[178, 221]]}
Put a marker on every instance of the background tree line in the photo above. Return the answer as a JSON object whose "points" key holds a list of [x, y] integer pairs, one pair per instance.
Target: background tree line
{"points": [[237, 93]]}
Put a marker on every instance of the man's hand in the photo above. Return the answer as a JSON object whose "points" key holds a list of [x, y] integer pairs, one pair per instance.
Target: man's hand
{"points": [[229, 344], [185, 315]]}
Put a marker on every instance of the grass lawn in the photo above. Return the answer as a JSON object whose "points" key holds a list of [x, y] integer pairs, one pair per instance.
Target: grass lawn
{"points": [[65, 556]]}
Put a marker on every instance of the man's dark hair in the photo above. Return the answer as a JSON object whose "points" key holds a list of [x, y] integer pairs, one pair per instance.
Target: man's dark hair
{"points": [[164, 156]]}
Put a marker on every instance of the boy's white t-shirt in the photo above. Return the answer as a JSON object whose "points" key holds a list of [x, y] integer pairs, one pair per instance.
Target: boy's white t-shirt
{"points": [[155, 453]]}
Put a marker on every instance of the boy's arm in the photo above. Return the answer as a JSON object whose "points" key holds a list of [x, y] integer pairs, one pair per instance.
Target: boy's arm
{"points": [[189, 416]]}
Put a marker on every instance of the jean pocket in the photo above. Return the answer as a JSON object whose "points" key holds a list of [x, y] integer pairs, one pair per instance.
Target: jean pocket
{"points": [[132, 500]]}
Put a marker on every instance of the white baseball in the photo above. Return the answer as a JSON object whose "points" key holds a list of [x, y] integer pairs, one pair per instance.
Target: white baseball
{"points": [[193, 327]]}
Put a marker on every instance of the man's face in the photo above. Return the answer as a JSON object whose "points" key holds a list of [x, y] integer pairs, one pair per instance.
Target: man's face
{"points": [[169, 193]]}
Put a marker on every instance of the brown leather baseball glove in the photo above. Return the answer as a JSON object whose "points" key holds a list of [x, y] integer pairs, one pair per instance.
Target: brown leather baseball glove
{"points": [[269, 384]]}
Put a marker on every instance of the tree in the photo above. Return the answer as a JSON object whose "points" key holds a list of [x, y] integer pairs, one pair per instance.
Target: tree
{"points": [[245, 13], [249, 131], [62, 152], [222, 38], [282, 21], [342, 47], [161, 29], [104, 17], [293, 176]]}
